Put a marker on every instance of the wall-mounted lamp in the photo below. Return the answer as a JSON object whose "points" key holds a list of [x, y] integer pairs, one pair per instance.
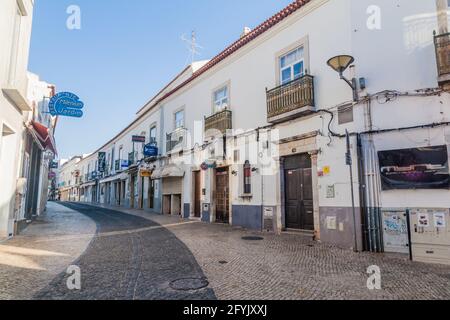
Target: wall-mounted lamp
{"points": [[254, 169], [340, 64], [234, 173]]}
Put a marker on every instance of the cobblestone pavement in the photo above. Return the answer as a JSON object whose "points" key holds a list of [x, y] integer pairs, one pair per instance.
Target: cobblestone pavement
{"points": [[31, 260], [130, 258], [135, 255], [292, 266]]}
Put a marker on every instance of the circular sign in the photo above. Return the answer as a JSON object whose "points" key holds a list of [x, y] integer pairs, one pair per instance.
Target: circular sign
{"points": [[66, 104]]}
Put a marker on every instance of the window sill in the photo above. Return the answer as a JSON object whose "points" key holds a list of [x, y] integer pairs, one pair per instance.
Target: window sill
{"points": [[246, 195]]}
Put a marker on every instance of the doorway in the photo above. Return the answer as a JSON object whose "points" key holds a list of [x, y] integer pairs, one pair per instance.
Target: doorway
{"points": [[299, 211], [197, 194], [151, 194], [141, 196], [167, 204], [222, 196], [132, 191]]}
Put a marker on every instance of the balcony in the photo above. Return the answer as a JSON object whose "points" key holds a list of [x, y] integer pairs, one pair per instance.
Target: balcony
{"points": [[218, 122], [442, 45], [17, 97], [291, 100], [176, 140]]}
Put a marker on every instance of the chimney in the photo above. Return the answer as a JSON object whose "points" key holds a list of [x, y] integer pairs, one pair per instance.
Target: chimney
{"points": [[246, 31]]}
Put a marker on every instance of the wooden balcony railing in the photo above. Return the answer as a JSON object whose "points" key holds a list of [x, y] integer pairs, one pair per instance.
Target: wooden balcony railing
{"points": [[219, 122], [442, 45], [176, 140], [291, 100]]}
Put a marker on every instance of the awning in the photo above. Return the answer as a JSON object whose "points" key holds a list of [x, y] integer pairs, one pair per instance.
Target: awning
{"points": [[170, 171], [157, 174], [42, 133], [122, 176]]}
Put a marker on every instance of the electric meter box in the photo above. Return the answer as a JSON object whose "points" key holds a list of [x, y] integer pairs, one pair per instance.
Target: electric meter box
{"points": [[430, 235]]}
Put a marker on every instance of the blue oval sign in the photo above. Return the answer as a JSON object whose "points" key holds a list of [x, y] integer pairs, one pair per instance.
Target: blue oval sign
{"points": [[150, 150], [66, 104]]}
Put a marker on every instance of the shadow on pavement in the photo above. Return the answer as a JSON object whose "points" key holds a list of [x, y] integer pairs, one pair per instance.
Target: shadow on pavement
{"points": [[140, 265]]}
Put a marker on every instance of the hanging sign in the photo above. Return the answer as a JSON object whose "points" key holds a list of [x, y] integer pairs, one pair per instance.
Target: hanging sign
{"points": [[124, 164], [66, 104], [140, 139], [101, 161], [54, 164], [146, 173], [150, 150], [205, 166]]}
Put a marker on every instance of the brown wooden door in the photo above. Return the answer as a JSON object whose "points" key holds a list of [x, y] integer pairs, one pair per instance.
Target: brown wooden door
{"points": [[197, 194], [299, 193], [222, 196]]}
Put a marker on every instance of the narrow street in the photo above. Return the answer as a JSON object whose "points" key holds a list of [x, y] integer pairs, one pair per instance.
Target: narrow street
{"points": [[136, 255]]}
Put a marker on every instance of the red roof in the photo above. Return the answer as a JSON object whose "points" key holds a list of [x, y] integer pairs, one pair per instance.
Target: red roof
{"points": [[262, 28]]}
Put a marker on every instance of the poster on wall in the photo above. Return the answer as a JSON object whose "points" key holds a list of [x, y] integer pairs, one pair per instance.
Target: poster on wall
{"points": [[439, 220], [418, 168], [424, 220]]}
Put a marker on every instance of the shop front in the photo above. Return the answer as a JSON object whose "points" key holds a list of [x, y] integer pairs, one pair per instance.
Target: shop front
{"points": [[172, 188]]}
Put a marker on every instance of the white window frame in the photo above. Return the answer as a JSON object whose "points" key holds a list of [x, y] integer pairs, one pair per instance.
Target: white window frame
{"points": [[223, 103], [291, 66], [153, 127], [302, 43], [175, 125]]}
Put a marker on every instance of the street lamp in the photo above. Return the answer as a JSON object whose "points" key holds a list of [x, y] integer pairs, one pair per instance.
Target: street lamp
{"points": [[340, 64]]}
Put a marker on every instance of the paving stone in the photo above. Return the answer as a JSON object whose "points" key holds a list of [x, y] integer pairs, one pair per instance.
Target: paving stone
{"points": [[137, 255]]}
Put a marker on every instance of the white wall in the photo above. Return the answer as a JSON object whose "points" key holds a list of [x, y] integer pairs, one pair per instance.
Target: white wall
{"points": [[10, 116]]}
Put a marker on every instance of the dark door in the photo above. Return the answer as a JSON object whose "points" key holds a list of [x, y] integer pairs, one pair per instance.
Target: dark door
{"points": [[151, 193], [222, 196], [299, 193], [197, 194], [141, 197], [119, 193]]}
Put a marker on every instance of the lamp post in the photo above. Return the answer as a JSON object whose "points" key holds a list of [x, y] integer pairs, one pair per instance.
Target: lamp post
{"points": [[340, 64]]}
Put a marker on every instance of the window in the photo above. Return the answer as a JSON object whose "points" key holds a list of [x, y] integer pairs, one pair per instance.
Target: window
{"points": [[153, 135], [221, 99], [112, 159], [179, 119], [292, 65], [247, 178]]}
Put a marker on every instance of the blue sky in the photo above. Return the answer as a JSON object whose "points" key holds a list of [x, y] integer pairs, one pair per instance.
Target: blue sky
{"points": [[125, 52]]}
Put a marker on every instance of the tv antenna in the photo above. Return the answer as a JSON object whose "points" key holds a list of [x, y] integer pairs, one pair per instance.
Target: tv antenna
{"points": [[192, 45]]}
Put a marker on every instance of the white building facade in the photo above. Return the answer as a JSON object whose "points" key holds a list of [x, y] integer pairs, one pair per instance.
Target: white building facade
{"points": [[15, 32], [256, 137]]}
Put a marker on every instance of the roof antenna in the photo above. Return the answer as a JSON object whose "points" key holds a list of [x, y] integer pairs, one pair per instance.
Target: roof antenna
{"points": [[193, 46]]}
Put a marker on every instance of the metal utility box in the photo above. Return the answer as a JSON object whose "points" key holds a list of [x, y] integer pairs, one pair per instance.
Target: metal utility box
{"points": [[395, 230], [430, 235]]}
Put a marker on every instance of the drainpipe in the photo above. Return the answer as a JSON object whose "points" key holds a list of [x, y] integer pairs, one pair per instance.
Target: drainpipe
{"points": [[372, 217]]}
